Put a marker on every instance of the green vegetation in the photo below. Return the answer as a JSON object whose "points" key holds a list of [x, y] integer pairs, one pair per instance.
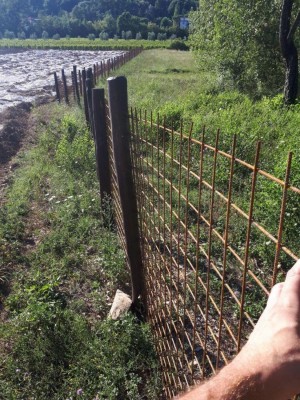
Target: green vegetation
{"points": [[169, 84], [242, 41], [126, 19], [59, 270], [97, 44], [60, 267], [247, 42]]}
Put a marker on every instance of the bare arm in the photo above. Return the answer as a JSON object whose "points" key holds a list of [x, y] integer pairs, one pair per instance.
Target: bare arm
{"points": [[268, 367]]}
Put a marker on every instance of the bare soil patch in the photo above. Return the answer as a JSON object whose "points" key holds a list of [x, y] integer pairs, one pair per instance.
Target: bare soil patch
{"points": [[15, 132]]}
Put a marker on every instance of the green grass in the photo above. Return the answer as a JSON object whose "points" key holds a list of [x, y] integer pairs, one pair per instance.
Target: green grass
{"points": [[87, 44], [59, 266], [59, 270], [161, 80], [169, 83]]}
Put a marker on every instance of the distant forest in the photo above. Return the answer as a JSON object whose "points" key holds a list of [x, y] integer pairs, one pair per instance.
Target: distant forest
{"points": [[127, 19]]}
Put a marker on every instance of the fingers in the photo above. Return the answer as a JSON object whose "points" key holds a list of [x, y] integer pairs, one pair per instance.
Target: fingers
{"points": [[290, 292], [294, 270], [274, 295]]}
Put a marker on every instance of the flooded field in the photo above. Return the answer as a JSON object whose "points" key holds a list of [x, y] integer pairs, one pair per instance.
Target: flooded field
{"points": [[27, 75]]}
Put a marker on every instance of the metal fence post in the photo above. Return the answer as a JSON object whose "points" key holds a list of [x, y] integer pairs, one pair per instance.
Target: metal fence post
{"points": [[101, 143], [89, 86], [76, 88], [56, 87], [64, 79], [118, 105], [85, 101]]}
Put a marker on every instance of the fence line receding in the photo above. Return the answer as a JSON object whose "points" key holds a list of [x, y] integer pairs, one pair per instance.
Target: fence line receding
{"points": [[214, 244], [216, 232]]}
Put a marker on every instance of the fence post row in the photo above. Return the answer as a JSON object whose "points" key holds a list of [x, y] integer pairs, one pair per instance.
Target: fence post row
{"points": [[99, 70], [95, 114], [118, 108]]}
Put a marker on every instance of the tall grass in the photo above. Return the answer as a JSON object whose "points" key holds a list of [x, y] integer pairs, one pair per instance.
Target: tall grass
{"points": [[59, 271], [169, 83]]}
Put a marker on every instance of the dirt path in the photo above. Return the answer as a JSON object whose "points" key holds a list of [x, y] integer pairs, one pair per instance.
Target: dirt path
{"points": [[14, 134]]}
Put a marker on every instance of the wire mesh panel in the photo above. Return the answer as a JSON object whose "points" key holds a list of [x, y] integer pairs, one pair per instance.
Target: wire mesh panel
{"points": [[218, 233], [114, 184]]}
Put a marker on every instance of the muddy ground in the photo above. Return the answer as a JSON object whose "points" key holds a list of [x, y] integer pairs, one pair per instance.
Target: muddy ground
{"points": [[26, 79], [26, 76], [14, 134]]}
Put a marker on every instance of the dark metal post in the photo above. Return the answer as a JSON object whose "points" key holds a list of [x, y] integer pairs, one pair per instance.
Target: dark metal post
{"points": [[73, 85], [89, 87], [63, 77], [76, 84], [56, 87], [101, 143], [85, 102], [80, 82], [95, 75], [118, 104]]}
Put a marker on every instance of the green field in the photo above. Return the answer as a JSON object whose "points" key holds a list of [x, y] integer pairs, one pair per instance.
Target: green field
{"points": [[87, 44], [168, 82]]}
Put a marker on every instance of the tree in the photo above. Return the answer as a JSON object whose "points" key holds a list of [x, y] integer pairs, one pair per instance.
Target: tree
{"points": [[165, 22], [241, 37], [124, 22], [109, 24], [289, 51], [9, 34], [45, 35]]}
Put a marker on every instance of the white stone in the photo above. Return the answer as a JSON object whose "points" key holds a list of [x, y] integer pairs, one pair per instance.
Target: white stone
{"points": [[121, 305]]}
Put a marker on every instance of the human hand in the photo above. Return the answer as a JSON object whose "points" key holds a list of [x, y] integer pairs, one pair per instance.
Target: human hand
{"points": [[268, 366], [273, 348]]}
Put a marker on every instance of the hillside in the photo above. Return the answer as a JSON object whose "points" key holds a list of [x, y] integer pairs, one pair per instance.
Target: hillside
{"points": [[147, 19]]}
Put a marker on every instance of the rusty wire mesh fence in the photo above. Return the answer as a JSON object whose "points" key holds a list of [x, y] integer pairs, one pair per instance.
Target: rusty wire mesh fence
{"points": [[217, 233], [118, 214]]}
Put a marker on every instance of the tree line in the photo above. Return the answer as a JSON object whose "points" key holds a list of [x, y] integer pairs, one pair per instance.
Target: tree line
{"points": [[141, 19]]}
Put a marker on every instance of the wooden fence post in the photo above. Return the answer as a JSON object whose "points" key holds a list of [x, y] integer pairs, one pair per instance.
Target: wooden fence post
{"points": [[80, 82], [101, 143], [64, 79], [118, 104], [85, 102], [76, 84], [89, 87], [95, 75], [73, 85], [56, 87]]}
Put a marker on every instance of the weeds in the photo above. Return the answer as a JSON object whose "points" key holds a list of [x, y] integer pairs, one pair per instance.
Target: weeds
{"points": [[62, 267]]}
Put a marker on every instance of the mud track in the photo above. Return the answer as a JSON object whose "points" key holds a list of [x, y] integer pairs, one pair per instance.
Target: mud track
{"points": [[14, 133]]}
